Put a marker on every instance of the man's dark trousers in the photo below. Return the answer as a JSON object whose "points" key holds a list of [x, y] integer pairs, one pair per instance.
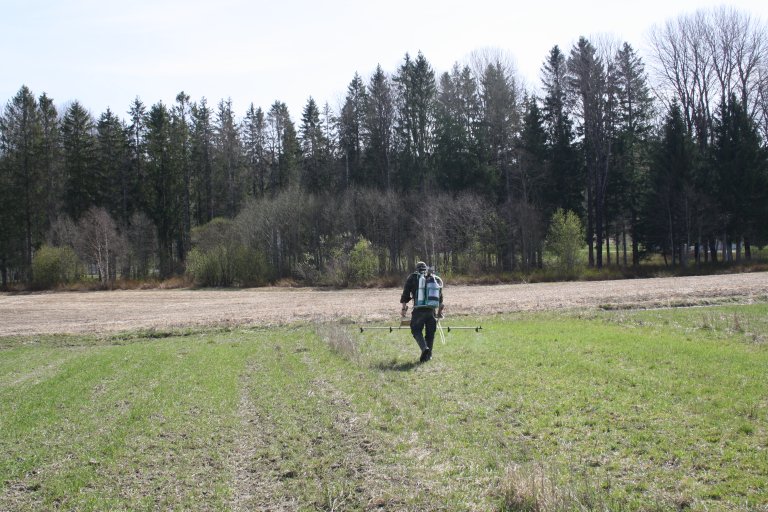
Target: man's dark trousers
{"points": [[421, 318]]}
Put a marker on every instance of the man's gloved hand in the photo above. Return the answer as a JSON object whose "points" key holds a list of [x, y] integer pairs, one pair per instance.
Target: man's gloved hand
{"points": [[440, 314], [404, 310]]}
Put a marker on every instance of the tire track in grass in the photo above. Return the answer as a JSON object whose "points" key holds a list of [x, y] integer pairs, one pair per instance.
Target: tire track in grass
{"points": [[302, 445], [378, 481], [255, 485]]}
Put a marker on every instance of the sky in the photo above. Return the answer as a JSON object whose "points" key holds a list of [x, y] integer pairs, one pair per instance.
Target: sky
{"points": [[105, 53]]}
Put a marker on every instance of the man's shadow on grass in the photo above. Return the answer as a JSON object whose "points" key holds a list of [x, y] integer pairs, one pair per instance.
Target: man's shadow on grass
{"points": [[393, 365]]}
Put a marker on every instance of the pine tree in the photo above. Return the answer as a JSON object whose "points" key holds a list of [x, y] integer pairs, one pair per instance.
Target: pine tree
{"points": [[136, 134], [283, 148], [532, 151]]}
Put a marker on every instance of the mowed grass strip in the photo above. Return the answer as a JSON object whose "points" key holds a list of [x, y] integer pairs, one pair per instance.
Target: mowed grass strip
{"points": [[648, 410]]}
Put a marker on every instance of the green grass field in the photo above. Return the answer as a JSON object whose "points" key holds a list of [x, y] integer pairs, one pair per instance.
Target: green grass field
{"points": [[619, 410]]}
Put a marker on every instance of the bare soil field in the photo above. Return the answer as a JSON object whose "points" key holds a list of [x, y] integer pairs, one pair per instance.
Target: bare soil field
{"points": [[115, 311]]}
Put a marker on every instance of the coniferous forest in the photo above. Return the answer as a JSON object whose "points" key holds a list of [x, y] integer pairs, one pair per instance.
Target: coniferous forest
{"points": [[661, 155]]}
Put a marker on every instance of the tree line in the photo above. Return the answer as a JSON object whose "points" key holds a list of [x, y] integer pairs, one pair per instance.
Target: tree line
{"points": [[465, 169]]}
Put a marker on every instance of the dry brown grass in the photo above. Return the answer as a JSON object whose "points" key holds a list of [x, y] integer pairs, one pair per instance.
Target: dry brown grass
{"points": [[340, 339], [534, 488]]}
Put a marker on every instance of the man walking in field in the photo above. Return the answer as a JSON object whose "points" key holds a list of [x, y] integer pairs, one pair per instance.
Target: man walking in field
{"points": [[425, 288]]}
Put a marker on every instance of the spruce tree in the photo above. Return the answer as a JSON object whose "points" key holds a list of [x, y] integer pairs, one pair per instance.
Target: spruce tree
{"points": [[314, 177], [202, 149], [350, 128], [565, 182], [22, 212], [113, 165], [458, 153], [378, 125], [163, 185], [83, 185], [741, 175], [416, 92], [254, 134], [668, 200], [631, 143], [51, 158], [227, 161], [501, 122]]}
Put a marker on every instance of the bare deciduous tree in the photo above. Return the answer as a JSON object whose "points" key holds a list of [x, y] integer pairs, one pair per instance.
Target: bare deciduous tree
{"points": [[100, 244], [704, 57]]}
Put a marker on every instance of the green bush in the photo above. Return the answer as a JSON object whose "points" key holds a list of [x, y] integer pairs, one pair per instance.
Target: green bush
{"points": [[565, 239], [52, 266], [225, 266], [250, 267], [363, 262], [219, 258]]}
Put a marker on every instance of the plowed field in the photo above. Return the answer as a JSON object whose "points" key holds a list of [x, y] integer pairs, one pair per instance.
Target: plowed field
{"points": [[113, 311]]}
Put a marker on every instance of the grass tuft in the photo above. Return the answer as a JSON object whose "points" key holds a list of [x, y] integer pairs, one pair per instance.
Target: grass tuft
{"points": [[340, 340], [533, 488]]}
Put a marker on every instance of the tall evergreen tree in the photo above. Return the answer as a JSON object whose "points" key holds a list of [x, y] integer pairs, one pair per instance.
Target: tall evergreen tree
{"points": [[668, 201], [532, 150], [378, 125], [137, 150], [202, 147], [458, 153], [416, 92], [529, 185], [741, 175], [501, 122], [113, 164], [332, 150], [283, 148], [51, 158], [565, 182], [163, 185], [83, 185], [314, 148], [350, 128], [254, 144], [227, 160], [635, 115], [589, 93], [500, 126], [181, 145], [20, 147]]}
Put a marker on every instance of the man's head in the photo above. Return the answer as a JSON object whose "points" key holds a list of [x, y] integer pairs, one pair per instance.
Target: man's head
{"points": [[421, 267]]}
